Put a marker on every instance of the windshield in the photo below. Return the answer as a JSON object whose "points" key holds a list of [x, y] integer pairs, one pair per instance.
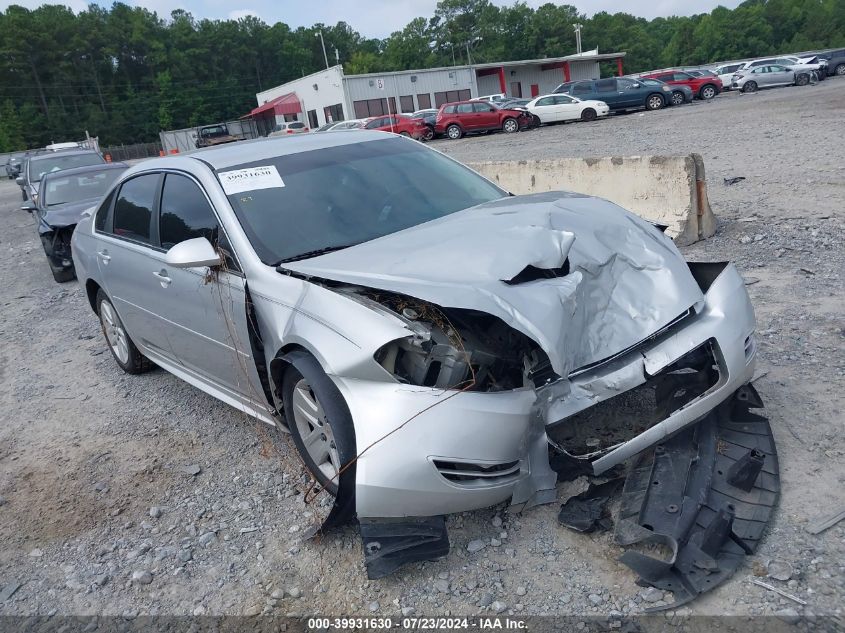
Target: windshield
{"points": [[340, 196], [67, 189], [47, 165]]}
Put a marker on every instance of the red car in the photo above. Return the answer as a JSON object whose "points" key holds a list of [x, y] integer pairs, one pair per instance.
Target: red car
{"points": [[704, 87], [398, 124], [458, 118]]}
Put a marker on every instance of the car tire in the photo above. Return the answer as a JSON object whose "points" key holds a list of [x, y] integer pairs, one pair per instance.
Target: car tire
{"points": [[510, 125], [653, 102], [839, 70], [707, 92], [405, 134], [750, 86], [428, 134], [62, 275], [535, 122], [318, 418], [454, 132], [125, 354], [588, 114], [678, 98], [802, 80]]}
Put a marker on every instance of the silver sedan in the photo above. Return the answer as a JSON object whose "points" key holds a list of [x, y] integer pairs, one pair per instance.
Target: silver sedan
{"points": [[430, 349]]}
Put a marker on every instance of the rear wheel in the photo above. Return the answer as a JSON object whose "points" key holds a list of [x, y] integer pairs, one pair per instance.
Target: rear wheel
{"points": [[839, 70], [678, 98], [428, 134], [510, 125], [707, 92], [654, 102], [454, 132], [588, 114], [750, 86], [122, 348], [802, 79]]}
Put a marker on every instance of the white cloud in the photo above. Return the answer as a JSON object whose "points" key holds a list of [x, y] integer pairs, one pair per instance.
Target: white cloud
{"points": [[237, 14]]}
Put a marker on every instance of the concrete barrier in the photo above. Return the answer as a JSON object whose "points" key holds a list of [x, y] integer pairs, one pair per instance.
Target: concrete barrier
{"points": [[669, 190]]}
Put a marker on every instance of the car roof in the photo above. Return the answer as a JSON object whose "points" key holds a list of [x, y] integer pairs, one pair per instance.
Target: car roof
{"points": [[253, 150], [66, 152], [88, 168]]}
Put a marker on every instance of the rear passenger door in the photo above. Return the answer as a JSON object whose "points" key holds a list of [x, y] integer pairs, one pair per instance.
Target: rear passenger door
{"points": [[606, 90], [781, 75], [127, 261], [467, 117]]}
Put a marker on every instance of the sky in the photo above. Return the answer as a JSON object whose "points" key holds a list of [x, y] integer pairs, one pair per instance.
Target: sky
{"points": [[374, 18]]}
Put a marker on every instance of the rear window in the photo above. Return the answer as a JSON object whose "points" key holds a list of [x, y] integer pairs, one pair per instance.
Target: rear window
{"points": [[465, 108], [377, 188], [134, 208], [449, 109]]}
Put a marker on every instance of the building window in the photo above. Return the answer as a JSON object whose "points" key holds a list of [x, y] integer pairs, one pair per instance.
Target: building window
{"points": [[407, 103], [452, 95], [424, 101], [333, 113], [312, 119], [370, 107]]}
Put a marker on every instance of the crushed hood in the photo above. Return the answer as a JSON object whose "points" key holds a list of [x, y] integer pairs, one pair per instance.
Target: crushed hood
{"points": [[68, 214], [626, 280]]}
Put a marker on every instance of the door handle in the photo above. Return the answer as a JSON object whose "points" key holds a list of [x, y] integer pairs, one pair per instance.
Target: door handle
{"points": [[163, 279], [104, 255]]}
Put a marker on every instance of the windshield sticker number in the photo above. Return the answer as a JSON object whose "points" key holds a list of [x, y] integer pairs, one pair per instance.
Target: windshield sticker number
{"points": [[252, 179]]}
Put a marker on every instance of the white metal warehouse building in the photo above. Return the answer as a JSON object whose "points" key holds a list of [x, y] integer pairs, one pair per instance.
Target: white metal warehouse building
{"points": [[329, 95]]}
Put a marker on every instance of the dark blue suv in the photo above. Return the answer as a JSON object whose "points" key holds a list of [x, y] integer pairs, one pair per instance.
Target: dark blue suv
{"points": [[620, 93]]}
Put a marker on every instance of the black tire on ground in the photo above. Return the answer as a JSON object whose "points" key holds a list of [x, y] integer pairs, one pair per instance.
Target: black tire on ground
{"points": [[454, 132], [535, 121], [839, 70], [750, 86], [707, 92], [510, 125], [588, 114], [136, 362], [678, 98], [305, 367], [405, 134], [428, 134], [653, 102], [802, 80], [23, 194]]}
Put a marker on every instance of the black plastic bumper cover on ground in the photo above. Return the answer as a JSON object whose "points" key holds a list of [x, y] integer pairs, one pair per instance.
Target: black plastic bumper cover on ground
{"points": [[705, 495]]}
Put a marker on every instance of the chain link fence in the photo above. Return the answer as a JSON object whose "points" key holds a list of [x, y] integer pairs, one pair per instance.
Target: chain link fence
{"points": [[130, 152]]}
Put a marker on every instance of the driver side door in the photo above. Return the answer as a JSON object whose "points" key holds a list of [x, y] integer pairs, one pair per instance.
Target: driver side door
{"points": [[203, 310]]}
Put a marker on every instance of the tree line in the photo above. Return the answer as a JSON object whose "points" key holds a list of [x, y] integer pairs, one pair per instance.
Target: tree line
{"points": [[124, 73]]}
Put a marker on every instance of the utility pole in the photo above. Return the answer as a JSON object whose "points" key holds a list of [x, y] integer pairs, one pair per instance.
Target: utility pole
{"points": [[323, 42], [469, 61], [336, 56], [577, 28]]}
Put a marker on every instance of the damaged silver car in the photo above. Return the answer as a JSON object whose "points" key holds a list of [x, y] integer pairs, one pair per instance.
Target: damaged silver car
{"points": [[434, 344]]}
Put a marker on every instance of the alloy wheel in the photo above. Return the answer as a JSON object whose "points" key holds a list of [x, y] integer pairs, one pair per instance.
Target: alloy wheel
{"points": [[314, 429], [655, 102], [677, 98], [708, 92], [115, 334]]}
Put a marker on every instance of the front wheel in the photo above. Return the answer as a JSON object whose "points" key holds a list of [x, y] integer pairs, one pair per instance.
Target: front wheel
{"points": [[454, 132], [588, 114], [428, 134], [654, 102], [510, 126], [707, 92], [319, 420], [678, 98], [122, 348], [802, 80], [750, 86]]}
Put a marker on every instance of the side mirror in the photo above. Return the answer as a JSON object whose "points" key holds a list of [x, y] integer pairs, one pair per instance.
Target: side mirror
{"points": [[192, 254], [20, 181], [28, 206]]}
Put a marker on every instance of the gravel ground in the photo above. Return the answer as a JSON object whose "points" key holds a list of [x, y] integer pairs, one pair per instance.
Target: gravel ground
{"points": [[125, 495]]}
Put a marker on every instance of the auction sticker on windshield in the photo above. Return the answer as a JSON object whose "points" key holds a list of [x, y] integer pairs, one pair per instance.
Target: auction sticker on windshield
{"points": [[251, 179]]}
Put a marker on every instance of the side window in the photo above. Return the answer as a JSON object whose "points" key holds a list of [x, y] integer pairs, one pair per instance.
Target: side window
{"points": [[681, 76], [101, 220], [464, 108], [561, 100], [133, 209], [546, 101], [606, 85], [583, 88], [373, 124], [185, 212], [449, 109], [482, 107]]}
